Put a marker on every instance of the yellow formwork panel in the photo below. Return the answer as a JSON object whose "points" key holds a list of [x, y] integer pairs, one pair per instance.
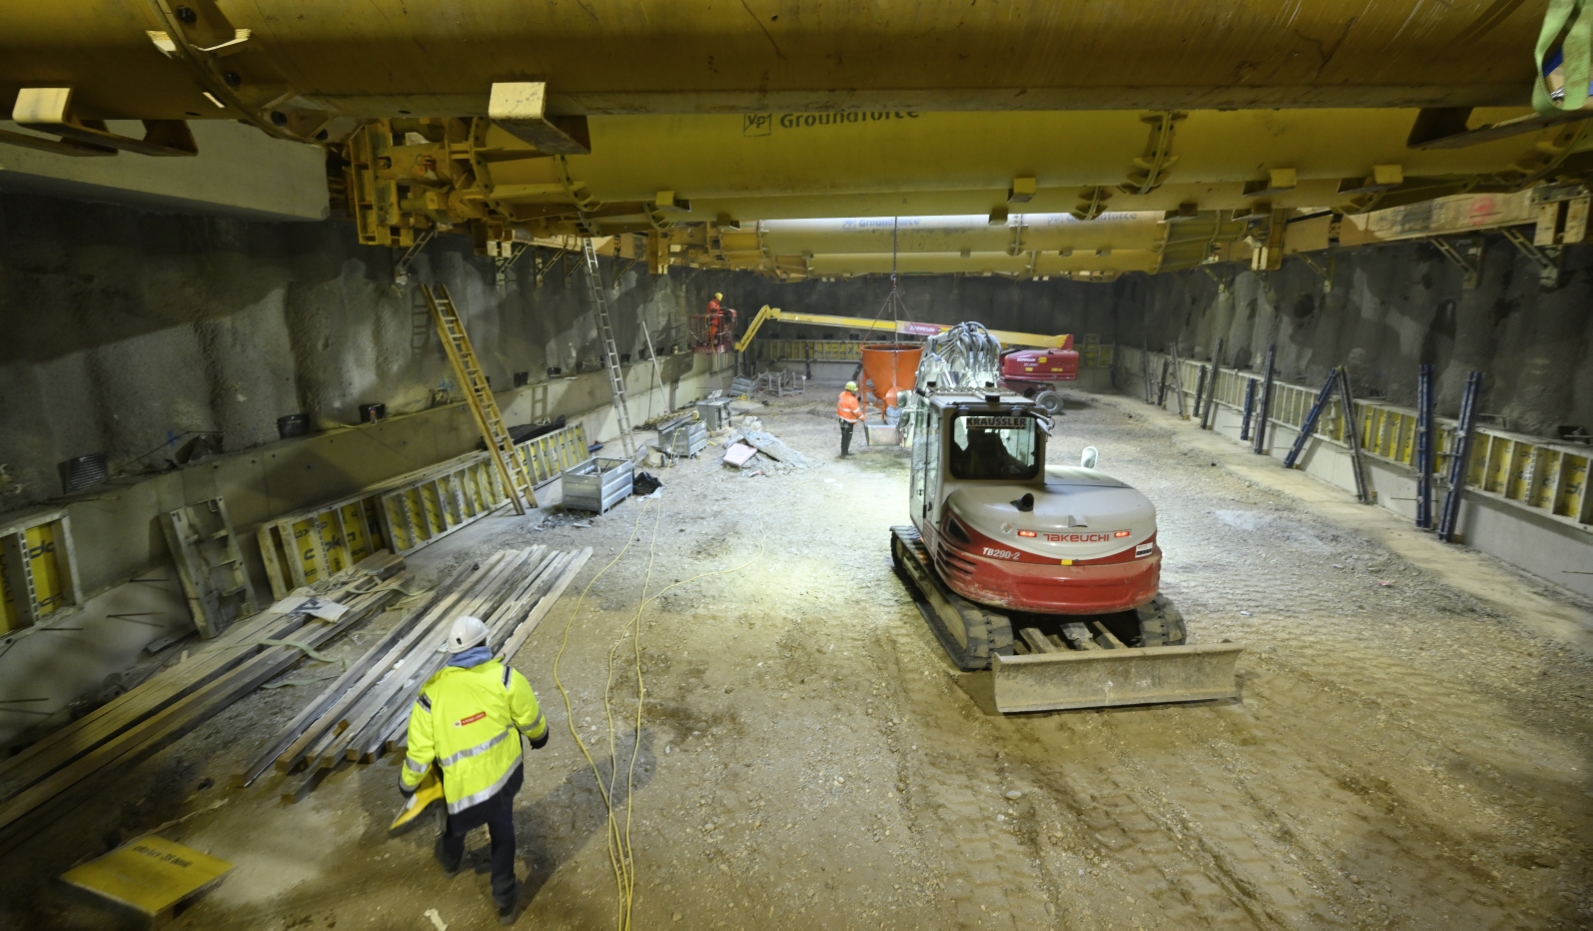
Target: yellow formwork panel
{"points": [[1548, 477], [48, 588], [1573, 487], [1496, 467]]}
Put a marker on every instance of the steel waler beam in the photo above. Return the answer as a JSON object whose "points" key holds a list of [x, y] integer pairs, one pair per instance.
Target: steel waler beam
{"points": [[1263, 407], [1352, 436], [1250, 407], [1144, 369], [1211, 399], [1459, 458], [1424, 447], [1178, 379]]}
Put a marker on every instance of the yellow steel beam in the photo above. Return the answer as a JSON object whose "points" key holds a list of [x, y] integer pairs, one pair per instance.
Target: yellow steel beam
{"points": [[769, 314], [153, 59]]}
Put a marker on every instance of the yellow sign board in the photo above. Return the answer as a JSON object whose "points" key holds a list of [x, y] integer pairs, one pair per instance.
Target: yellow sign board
{"points": [[150, 874]]}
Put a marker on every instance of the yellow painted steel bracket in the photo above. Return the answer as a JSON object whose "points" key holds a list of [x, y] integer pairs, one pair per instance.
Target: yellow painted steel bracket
{"points": [[236, 74]]}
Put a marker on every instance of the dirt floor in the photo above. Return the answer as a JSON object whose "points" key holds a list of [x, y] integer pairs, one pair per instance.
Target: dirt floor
{"points": [[1408, 751]]}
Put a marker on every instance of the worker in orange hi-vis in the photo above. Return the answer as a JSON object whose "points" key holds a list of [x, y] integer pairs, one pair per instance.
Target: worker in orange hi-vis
{"points": [[850, 410], [716, 315]]}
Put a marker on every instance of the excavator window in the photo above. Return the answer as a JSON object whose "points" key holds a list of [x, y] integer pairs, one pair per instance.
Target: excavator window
{"points": [[998, 448]]}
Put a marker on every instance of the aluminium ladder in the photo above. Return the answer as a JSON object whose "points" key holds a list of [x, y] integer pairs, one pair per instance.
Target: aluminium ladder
{"points": [[616, 375], [483, 406]]}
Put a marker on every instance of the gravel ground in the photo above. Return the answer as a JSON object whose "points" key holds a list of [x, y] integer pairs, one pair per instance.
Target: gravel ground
{"points": [[1408, 751]]}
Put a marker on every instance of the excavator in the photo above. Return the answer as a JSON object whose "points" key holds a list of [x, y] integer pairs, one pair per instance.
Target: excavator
{"points": [[1035, 372], [1066, 557]]}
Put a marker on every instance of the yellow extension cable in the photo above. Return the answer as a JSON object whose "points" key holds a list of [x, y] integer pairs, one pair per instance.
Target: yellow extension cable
{"points": [[619, 838]]}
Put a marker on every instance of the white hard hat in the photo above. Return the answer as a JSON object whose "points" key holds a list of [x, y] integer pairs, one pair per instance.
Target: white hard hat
{"points": [[467, 632]]}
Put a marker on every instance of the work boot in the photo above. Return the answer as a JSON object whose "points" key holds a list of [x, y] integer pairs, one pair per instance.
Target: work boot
{"points": [[506, 908], [451, 868]]}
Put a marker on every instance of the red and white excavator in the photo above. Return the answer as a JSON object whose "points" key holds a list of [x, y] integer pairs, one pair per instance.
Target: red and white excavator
{"points": [[1066, 556]]}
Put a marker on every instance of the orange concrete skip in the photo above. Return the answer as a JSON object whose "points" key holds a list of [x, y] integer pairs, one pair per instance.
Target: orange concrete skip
{"points": [[1104, 678], [887, 366]]}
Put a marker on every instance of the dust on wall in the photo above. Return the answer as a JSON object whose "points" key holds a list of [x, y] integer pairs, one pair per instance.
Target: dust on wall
{"points": [[1390, 309]]}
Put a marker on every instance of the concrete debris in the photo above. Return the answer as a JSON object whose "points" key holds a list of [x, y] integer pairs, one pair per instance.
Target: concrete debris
{"points": [[436, 919], [739, 454], [768, 444], [1014, 795]]}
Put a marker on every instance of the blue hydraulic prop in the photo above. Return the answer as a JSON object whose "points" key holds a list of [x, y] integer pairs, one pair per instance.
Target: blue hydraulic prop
{"points": [[1425, 449]]}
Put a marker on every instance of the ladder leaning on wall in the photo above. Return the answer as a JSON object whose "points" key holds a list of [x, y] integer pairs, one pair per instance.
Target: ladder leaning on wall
{"points": [[616, 374], [478, 394]]}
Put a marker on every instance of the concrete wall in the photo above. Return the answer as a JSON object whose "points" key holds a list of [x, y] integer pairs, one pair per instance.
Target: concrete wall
{"points": [[1390, 309], [239, 171]]}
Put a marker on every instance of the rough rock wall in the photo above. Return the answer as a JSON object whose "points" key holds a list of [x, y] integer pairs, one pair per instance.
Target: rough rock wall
{"points": [[1390, 309], [123, 331]]}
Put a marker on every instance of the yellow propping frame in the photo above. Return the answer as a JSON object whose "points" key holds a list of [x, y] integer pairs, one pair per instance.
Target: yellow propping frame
{"points": [[483, 406], [1007, 337]]}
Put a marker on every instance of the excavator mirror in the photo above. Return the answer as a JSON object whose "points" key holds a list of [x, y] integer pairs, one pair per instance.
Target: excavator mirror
{"points": [[1090, 458]]}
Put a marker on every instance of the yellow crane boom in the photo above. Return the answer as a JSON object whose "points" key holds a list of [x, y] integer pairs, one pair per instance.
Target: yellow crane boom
{"points": [[1007, 337]]}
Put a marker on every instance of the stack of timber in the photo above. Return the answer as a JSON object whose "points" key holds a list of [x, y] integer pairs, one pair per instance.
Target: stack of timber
{"points": [[69, 764], [364, 713]]}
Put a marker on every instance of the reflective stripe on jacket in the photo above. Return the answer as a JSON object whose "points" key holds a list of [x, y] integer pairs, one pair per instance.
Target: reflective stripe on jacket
{"points": [[847, 407], [469, 722]]}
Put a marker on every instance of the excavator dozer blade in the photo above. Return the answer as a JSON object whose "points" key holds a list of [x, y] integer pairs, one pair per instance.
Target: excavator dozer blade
{"points": [[1105, 678]]}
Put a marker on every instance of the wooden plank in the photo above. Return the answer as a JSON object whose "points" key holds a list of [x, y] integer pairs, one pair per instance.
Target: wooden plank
{"points": [[317, 731], [1101, 631], [368, 742], [180, 541], [235, 646], [1036, 640], [22, 814], [518, 637], [377, 698], [266, 536], [291, 732]]}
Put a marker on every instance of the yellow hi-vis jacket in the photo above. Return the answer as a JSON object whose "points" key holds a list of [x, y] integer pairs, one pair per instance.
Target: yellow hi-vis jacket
{"points": [[469, 721]]}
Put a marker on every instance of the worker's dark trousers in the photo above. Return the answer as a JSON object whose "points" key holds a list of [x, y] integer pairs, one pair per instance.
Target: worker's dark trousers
{"points": [[846, 436], [497, 813]]}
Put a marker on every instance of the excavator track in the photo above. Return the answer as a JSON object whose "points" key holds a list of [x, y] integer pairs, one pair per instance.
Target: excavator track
{"points": [[1086, 666], [969, 633]]}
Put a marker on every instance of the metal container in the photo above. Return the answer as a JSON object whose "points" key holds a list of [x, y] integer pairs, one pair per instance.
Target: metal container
{"points": [[598, 484], [686, 439], [715, 413]]}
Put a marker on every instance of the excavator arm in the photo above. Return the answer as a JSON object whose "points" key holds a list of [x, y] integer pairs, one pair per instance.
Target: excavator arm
{"points": [[1007, 337]]}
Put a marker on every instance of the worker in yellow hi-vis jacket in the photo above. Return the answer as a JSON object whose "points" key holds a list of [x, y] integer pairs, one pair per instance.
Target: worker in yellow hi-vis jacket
{"points": [[469, 720]]}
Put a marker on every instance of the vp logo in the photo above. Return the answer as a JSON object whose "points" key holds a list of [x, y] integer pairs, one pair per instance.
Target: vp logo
{"points": [[757, 124]]}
